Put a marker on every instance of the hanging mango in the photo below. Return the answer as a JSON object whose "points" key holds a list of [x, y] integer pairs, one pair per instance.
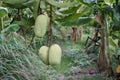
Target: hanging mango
{"points": [[41, 24]]}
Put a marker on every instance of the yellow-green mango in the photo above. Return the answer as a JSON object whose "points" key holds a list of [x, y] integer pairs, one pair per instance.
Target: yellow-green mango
{"points": [[41, 25], [55, 54], [43, 54]]}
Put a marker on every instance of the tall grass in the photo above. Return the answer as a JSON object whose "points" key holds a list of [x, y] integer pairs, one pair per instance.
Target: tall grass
{"points": [[19, 63]]}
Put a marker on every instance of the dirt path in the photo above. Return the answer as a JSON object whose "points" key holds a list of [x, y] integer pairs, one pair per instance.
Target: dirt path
{"points": [[90, 72]]}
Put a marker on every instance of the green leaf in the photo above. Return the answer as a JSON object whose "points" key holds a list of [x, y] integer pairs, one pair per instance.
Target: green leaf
{"points": [[62, 5], [112, 42], [11, 28], [3, 11], [109, 2], [75, 16], [71, 17], [71, 10], [26, 22], [116, 33], [81, 21], [36, 6], [29, 3], [14, 1], [42, 5], [19, 5]]}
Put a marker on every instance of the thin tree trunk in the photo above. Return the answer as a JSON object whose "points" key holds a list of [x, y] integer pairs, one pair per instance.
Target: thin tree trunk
{"points": [[50, 28], [81, 33], [74, 35], [104, 59], [109, 65], [101, 63]]}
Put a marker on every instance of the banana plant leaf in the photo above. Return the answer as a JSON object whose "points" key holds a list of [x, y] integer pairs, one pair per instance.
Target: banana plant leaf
{"points": [[26, 22], [14, 1], [36, 6], [62, 5], [75, 16], [71, 17], [70, 10], [116, 33], [3, 12], [11, 28], [109, 2], [19, 5], [81, 21], [113, 42]]}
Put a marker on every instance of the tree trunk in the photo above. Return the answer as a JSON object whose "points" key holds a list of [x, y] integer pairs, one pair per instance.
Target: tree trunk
{"points": [[101, 63], [109, 64], [74, 35], [104, 59], [81, 33]]}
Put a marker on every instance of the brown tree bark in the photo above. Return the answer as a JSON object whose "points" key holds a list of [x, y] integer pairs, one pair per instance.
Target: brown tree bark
{"points": [[49, 41], [104, 58], [101, 63], [109, 71], [74, 35]]}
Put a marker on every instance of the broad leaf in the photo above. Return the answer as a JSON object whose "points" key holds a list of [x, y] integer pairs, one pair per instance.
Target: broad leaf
{"points": [[81, 21], [3, 11], [36, 6], [26, 22], [11, 28], [17, 6], [29, 3], [75, 16], [14, 1], [42, 5], [116, 33], [62, 5], [70, 11], [72, 17], [112, 42], [20, 5], [109, 2]]}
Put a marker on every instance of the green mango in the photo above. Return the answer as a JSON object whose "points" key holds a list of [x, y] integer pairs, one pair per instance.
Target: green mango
{"points": [[55, 54], [41, 24], [43, 54]]}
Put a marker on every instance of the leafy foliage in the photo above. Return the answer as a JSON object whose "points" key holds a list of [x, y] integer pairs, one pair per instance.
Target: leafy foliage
{"points": [[62, 5], [11, 28], [3, 12], [18, 61]]}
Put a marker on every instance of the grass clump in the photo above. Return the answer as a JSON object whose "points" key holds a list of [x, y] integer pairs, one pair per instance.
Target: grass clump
{"points": [[19, 63]]}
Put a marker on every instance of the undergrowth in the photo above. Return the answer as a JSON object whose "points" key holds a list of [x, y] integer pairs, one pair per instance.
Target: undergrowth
{"points": [[19, 63]]}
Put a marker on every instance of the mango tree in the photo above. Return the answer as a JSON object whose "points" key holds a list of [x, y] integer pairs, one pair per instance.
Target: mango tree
{"points": [[69, 13]]}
